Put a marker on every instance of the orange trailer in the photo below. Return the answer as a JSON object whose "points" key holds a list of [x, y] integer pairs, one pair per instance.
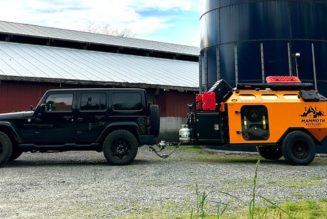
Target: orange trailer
{"points": [[279, 119]]}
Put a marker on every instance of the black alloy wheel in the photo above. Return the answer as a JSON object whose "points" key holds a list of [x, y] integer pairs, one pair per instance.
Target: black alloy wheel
{"points": [[15, 154], [120, 147], [299, 148], [5, 148]]}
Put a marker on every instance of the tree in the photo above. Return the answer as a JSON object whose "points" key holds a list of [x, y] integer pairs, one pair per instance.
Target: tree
{"points": [[108, 29]]}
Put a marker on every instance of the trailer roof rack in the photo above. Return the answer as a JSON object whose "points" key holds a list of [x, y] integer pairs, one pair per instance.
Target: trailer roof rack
{"points": [[282, 87]]}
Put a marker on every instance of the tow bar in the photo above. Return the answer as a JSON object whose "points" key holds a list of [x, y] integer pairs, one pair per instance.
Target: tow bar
{"points": [[158, 149]]}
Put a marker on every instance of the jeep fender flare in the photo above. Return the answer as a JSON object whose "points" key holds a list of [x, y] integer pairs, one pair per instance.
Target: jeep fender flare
{"points": [[8, 128], [291, 129], [130, 126]]}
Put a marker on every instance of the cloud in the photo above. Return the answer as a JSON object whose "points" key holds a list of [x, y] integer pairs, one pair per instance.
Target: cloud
{"points": [[79, 14]]}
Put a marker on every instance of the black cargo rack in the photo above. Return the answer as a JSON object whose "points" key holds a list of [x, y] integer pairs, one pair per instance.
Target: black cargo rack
{"points": [[276, 87]]}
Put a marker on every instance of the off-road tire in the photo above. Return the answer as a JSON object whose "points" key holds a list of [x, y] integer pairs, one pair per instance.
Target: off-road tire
{"points": [[299, 148], [120, 147], [15, 154], [270, 152], [154, 120], [5, 148]]}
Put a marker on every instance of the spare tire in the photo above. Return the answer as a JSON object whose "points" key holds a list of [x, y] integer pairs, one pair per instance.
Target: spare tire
{"points": [[154, 120]]}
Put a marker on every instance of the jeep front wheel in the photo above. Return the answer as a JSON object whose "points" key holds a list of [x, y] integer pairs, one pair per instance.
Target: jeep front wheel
{"points": [[120, 147], [5, 148], [299, 148], [15, 154]]}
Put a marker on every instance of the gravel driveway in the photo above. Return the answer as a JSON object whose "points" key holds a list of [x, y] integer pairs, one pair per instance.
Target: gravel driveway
{"points": [[81, 184]]}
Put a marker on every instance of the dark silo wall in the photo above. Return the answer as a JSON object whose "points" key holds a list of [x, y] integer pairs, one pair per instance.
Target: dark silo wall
{"points": [[247, 40]]}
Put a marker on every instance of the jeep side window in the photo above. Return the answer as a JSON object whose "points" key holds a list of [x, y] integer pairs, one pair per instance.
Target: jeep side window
{"points": [[59, 103], [93, 101], [255, 125], [127, 101]]}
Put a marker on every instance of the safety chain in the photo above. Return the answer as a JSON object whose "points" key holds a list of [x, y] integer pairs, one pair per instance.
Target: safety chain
{"points": [[161, 146]]}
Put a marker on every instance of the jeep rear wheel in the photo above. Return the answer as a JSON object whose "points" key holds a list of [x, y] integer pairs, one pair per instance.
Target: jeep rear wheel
{"points": [[120, 147], [5, 148], [299, 148], [270, 152]]}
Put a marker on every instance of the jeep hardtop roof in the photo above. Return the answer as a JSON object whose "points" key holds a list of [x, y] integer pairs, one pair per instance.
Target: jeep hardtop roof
{"points": [[95, 89]]}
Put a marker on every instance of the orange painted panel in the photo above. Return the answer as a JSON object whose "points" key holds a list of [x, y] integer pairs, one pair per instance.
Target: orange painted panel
{"points": [[283, 114]]}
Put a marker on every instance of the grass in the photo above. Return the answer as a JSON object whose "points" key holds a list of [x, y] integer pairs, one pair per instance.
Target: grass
{"points": [[315, 209], [297, 183], [206, 208]]}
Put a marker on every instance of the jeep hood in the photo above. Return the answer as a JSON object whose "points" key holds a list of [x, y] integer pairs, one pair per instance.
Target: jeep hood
{"points": [[16, 115]]}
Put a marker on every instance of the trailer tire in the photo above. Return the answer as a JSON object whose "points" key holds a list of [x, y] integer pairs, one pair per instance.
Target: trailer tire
{"points": [[299, 148], [270, 152], [120, 147], [5, 148]]}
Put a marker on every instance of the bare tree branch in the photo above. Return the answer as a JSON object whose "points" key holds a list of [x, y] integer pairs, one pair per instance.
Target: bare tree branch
{"points": [[108, 29]]}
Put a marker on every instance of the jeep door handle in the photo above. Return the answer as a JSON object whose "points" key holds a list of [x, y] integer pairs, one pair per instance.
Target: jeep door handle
{"points": [[79, 119], [69, 118]]}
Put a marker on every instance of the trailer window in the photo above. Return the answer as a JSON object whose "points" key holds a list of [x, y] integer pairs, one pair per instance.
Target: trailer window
{"points": [[255, 124]]}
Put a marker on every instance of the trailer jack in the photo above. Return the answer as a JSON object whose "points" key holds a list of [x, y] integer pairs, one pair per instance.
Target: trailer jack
{"points": [[159, 148]]}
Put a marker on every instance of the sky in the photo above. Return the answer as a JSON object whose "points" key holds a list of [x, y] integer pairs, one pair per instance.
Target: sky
{"points": [[174, 21]]}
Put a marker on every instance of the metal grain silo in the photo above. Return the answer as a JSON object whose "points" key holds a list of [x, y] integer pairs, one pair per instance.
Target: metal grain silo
{"points": [[247, 40]]}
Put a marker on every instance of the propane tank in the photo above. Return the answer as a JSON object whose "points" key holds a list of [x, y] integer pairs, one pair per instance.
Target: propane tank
{"points": [[184, 134]]}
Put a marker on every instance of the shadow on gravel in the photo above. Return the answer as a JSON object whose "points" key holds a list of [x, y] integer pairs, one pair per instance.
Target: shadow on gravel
{"points": [[72, 163], [253, 161], [239, 161]]}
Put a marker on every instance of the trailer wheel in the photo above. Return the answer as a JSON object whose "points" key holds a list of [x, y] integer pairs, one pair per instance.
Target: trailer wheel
{"points": [[120, 147], [270, 152], [5, 148], [298, 148]]}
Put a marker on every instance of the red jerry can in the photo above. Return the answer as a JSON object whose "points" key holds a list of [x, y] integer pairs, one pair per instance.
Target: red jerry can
{"points": [[199, 102], [209, 101]]}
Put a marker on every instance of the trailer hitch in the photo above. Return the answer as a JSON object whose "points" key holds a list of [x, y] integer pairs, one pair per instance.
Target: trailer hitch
{"points": [[158, 149]]}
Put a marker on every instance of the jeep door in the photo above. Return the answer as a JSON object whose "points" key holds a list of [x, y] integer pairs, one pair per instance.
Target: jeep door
{"points": [[90, 116], [54, 124]]}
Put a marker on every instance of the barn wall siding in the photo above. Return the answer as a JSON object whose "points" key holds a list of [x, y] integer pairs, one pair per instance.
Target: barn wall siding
{"points": [[19, 96]]}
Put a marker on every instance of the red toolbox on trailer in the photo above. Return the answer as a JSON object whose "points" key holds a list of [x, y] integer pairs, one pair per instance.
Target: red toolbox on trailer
{"points": [[283, 80]]}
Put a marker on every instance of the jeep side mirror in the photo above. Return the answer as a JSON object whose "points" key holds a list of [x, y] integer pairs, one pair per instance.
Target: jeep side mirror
{"points": [[42, 108]]}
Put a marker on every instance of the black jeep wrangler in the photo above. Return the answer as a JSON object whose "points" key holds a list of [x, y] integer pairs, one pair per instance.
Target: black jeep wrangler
{"points": [[115, 121]]}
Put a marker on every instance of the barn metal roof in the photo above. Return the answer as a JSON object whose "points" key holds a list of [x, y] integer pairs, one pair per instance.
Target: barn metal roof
{"points": [[52, 64], [86, 37]]}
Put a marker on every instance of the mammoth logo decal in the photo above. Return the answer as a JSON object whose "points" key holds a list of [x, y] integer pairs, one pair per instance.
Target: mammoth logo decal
{"points": [[312, 116]]}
